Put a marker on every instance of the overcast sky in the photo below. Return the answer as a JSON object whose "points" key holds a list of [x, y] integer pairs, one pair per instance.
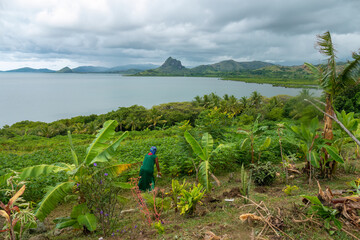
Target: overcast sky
{"points": [[57, 33]]}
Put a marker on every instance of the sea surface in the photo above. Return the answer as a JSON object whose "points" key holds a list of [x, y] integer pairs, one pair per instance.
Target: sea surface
{"points": [[48, 97]]}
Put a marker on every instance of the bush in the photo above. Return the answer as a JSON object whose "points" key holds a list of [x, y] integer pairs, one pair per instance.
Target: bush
{"points": [[264, 174]]}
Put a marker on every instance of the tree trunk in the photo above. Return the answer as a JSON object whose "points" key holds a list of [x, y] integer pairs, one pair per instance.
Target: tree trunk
{"points": [[328, 134]]}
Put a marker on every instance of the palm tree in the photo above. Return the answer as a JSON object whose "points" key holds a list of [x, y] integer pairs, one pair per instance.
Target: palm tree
{"points": [[154, 117], [244, 101], [132, 122], [256, 98], [331, 80]]}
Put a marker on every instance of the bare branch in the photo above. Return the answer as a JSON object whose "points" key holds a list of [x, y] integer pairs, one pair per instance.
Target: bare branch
{"points": [[318, 101]]}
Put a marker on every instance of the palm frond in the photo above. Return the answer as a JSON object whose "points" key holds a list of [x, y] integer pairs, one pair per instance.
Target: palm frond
{"points": [[52, 198], [325, 44], [99, 143], [326, 47], [110, 151], [351, 72], [316, 71]]}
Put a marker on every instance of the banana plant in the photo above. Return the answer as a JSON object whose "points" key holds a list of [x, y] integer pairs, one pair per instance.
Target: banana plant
{"points": [[348, 120], [311, 145], [251, 136], [98, 152], [80, 217], [203, 150]]}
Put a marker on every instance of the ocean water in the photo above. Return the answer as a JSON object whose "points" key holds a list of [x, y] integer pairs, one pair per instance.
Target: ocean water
{"points": [[52, 96]]}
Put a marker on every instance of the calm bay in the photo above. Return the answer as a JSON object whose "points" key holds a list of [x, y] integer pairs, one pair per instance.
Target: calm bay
{"points": [[51, 96]]}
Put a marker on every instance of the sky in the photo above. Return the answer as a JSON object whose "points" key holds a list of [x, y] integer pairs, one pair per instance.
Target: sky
{"points": [[57, 33]]}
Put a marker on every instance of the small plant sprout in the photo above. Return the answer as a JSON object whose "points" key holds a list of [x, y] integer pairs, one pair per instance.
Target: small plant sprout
{"points": [[245, 183], [288, 190]]}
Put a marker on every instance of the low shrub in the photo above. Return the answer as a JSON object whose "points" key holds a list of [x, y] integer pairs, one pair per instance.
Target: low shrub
{"points": [[263, 174]]}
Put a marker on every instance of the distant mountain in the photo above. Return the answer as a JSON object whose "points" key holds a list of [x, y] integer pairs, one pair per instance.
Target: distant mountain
{"points": [[170, 67], [231, 69], [141, 67], [65, 70], [89, 69], [125, 69], [28, 70], [229, 66]]}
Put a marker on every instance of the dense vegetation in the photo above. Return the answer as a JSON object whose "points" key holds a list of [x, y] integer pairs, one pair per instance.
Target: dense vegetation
{"points": [[90, 165]]}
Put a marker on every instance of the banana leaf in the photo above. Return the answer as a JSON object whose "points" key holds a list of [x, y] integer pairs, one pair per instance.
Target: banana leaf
{"points": [[52, 198], [110, 151], [99, 143], [195, 145], [38, 170], [88, 220]]}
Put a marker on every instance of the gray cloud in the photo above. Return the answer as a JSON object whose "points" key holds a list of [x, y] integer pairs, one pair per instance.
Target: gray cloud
{"points": [[50, 33]]}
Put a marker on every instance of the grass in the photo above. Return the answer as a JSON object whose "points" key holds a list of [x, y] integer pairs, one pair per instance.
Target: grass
{"points": [[290, 83], [219, 217], [222, 218]]}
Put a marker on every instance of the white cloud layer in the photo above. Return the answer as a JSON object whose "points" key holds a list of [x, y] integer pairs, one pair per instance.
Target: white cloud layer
{"points": [[56, 33]]}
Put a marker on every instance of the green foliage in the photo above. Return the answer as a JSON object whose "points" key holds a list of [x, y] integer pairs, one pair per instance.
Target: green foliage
{"points": [[155, 203], [263, 174], [251, 137], [349, 168], [245, 119], [311, 145], [288, 190], [328, 214], [245, 183], [88, 220], [190, 198], [159, 227], [348, 100], [80, 217], [356, 185], [98, 152], [53, 196], [204, 152], [297, 108], [176, 189], [213, 121]]}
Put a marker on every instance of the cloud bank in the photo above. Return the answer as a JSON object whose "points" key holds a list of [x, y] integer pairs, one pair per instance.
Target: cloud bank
{"points": [[54, 33]]}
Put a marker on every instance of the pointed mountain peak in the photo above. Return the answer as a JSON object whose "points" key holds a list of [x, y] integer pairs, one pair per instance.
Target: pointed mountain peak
{"points": [[173, 64], [65, 70]]}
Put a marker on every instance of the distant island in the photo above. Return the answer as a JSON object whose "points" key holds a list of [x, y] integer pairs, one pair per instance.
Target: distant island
{"points": [[252, 71], [125, 69]]}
